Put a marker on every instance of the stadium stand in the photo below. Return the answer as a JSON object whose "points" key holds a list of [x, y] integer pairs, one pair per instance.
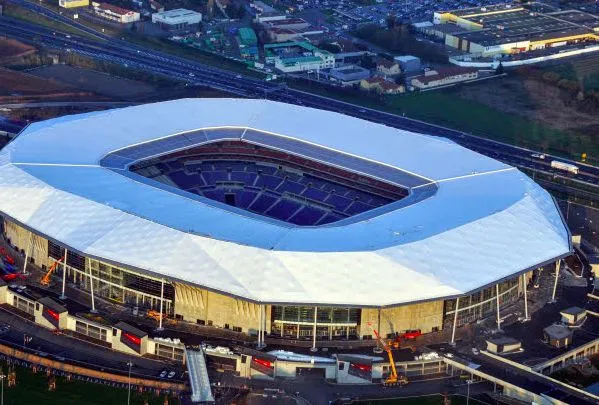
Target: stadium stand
{"points": [[271, 183]]}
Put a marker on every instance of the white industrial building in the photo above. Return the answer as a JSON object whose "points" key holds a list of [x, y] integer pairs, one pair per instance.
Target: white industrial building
{"points": [[178, 20]]}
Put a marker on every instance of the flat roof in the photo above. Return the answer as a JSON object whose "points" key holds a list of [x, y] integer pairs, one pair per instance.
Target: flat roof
{"points": [[469, 221]]}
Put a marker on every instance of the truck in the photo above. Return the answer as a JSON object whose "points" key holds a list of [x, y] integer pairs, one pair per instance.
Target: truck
{"points": [[570, 168]]}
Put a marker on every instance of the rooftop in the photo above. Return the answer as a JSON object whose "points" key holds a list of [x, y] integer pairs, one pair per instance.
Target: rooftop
{"points": [[439, 241]]}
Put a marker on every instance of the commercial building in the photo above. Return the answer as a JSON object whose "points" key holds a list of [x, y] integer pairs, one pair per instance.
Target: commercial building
{"points": [[289, 57], [220, 218], [504, 29], [443, 77], [73, 3], [178, 20], [115, 13], [350, 74]]}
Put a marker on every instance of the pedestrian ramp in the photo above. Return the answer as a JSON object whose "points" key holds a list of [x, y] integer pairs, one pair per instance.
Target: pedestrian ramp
{"points": [[198, 376]]}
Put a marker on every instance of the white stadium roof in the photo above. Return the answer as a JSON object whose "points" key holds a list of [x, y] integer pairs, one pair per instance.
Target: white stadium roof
{"points": [[482, 221]]}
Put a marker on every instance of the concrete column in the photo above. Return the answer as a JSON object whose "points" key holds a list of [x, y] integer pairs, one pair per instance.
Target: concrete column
{"points": [[91, 288], [27, 252], [64, 274], [525, 297], [314, 330], [557, 266], [161, 303], [455, 320], [297, 330], [330, 333], [497, 301]]}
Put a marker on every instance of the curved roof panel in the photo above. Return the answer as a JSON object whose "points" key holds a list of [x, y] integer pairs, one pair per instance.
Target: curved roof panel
{"points": [[469, 220]]}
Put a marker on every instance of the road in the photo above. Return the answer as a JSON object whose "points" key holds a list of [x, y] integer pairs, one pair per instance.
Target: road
{"points": [[195, 73]]}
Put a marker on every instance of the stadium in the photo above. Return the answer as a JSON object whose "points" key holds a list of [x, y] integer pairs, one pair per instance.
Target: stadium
{"points": [[263, 217]]}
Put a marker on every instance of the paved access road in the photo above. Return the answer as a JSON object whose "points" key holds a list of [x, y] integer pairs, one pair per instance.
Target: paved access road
{"points": [[64, 348]]}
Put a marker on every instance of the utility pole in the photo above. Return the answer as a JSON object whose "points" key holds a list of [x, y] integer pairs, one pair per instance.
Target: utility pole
{"points": [[130, 364], [2, 377]]}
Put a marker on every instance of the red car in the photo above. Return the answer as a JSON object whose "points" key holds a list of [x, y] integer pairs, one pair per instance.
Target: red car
{"points": [[411, 334]]}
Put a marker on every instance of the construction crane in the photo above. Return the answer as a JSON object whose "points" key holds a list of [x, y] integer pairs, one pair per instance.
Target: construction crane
{"points": [[45, 281], [393, 378]]}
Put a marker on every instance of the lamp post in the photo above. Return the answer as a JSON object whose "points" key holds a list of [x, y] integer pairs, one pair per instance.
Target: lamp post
{"points": [[468, 382], [130, 364], [2, 377]]}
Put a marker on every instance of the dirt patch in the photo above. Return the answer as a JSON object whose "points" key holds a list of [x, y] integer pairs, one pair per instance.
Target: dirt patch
{"points": [[532, 99], [18, 83], [94, 81], [10, 49]]}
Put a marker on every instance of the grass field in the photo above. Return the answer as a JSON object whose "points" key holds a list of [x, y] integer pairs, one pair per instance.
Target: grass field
{"points": [[32, 389], [424, 400], [442, 107]]}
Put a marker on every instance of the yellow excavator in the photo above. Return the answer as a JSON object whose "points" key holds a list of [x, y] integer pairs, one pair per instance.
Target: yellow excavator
{"points": [[393, 378], [45, 281]]}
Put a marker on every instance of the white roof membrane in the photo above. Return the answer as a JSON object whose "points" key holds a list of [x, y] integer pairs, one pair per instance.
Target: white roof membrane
{"points": [[485, 222]]}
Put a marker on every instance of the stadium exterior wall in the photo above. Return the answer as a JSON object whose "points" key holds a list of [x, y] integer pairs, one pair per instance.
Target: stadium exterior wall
{"points": [[198, 305]]}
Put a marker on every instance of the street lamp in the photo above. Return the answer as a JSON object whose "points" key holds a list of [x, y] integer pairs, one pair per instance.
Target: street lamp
{"points": [[468, 382], [2, 377], [130, 364]]}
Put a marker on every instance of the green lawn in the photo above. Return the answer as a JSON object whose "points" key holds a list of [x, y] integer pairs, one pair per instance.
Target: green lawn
{"points": [[32, 389], [424, 400], [443, 107]]}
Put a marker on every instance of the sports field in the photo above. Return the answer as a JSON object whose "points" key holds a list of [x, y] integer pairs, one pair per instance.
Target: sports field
{"points": [[32, 389]]}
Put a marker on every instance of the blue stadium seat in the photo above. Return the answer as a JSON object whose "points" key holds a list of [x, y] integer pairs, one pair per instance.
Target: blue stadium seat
{"points": [[290, 187], [307, 216], [357, 207], [315, 194], [283, 209], [340, 203], [262, 203]]}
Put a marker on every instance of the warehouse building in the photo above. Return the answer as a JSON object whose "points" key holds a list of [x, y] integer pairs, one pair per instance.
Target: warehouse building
{"points": [[350, 74], [179, 20], [443, 77], [505, 29]]}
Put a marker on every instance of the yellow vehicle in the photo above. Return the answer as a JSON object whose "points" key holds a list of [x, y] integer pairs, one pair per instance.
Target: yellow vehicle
{"points": [[393, 378], [45, 281]]}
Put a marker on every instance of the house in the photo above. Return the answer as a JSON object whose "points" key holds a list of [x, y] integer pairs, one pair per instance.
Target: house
{"points": [[386, 67], [380, 85], [443, 77], [156, 7]]}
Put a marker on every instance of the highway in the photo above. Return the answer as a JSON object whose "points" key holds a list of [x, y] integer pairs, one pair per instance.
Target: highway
{"points": [[195, 73]]}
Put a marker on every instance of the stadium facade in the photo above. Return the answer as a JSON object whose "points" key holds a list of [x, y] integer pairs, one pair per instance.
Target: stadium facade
{"points": [[254, 216]]}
